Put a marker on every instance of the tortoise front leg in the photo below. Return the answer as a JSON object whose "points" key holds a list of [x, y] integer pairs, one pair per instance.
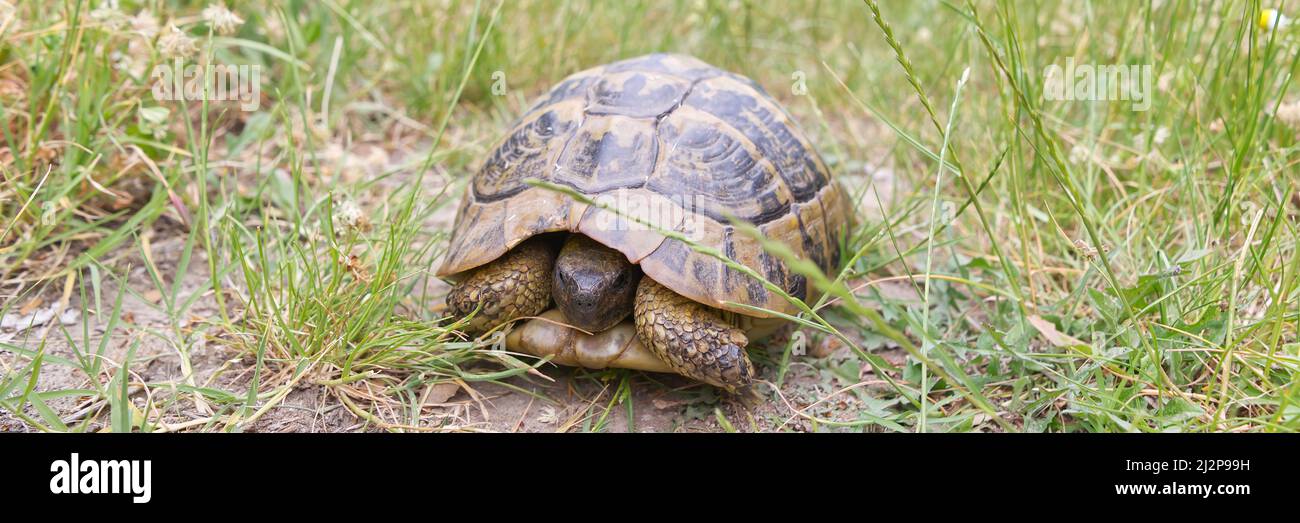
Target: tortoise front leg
{"points": [[692, 338], [516, 285]]}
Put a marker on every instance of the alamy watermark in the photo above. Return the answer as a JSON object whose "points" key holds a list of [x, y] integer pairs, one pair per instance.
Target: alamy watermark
{"points": [[211, 82], [102, 476], [499, 86], [798, 83], [1099, 82], [632, 210]]}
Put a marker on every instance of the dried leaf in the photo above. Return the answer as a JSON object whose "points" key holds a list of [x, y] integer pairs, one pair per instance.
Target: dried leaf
{"points": [[31, 305], [1054, 336], [663, 404], [439, 393], [827, 346]]}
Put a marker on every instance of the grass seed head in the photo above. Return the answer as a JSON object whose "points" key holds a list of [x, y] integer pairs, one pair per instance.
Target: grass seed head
{"points": [[176, 44], [223, 20], [145, 24], [109, 18]]}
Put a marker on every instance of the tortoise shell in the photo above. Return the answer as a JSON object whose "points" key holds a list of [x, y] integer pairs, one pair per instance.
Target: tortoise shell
{"points": [[673, 141]]}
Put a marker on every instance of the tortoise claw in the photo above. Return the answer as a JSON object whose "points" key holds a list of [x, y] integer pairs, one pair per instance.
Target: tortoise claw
{"points": [[693, 339]]}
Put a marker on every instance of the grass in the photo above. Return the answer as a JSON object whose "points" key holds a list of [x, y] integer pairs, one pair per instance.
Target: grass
{"points": [[1019, 263]]}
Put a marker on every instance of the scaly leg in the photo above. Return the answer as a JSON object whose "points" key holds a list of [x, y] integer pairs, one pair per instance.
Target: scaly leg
{"points": [[692, 338], [516, 285]]}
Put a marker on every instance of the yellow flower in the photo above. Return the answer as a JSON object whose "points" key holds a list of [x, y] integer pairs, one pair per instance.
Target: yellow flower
{"points": [[1271, 19]]}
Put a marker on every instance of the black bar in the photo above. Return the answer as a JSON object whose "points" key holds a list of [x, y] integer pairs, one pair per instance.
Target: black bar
{"points": [[1023, 470]]}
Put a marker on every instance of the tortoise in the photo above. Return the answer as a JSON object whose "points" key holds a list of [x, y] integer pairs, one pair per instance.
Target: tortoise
{"points": [[662, 142]]}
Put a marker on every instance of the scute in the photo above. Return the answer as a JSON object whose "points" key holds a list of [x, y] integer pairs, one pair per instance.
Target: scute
{"points": [[526, 152], [637, 94], [718, 172], [767, 126], [573, 87], [608, 152], [664, 132]]}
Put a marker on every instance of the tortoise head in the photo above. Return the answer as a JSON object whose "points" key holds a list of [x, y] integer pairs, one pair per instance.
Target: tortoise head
{"points": [[593, 285]]}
